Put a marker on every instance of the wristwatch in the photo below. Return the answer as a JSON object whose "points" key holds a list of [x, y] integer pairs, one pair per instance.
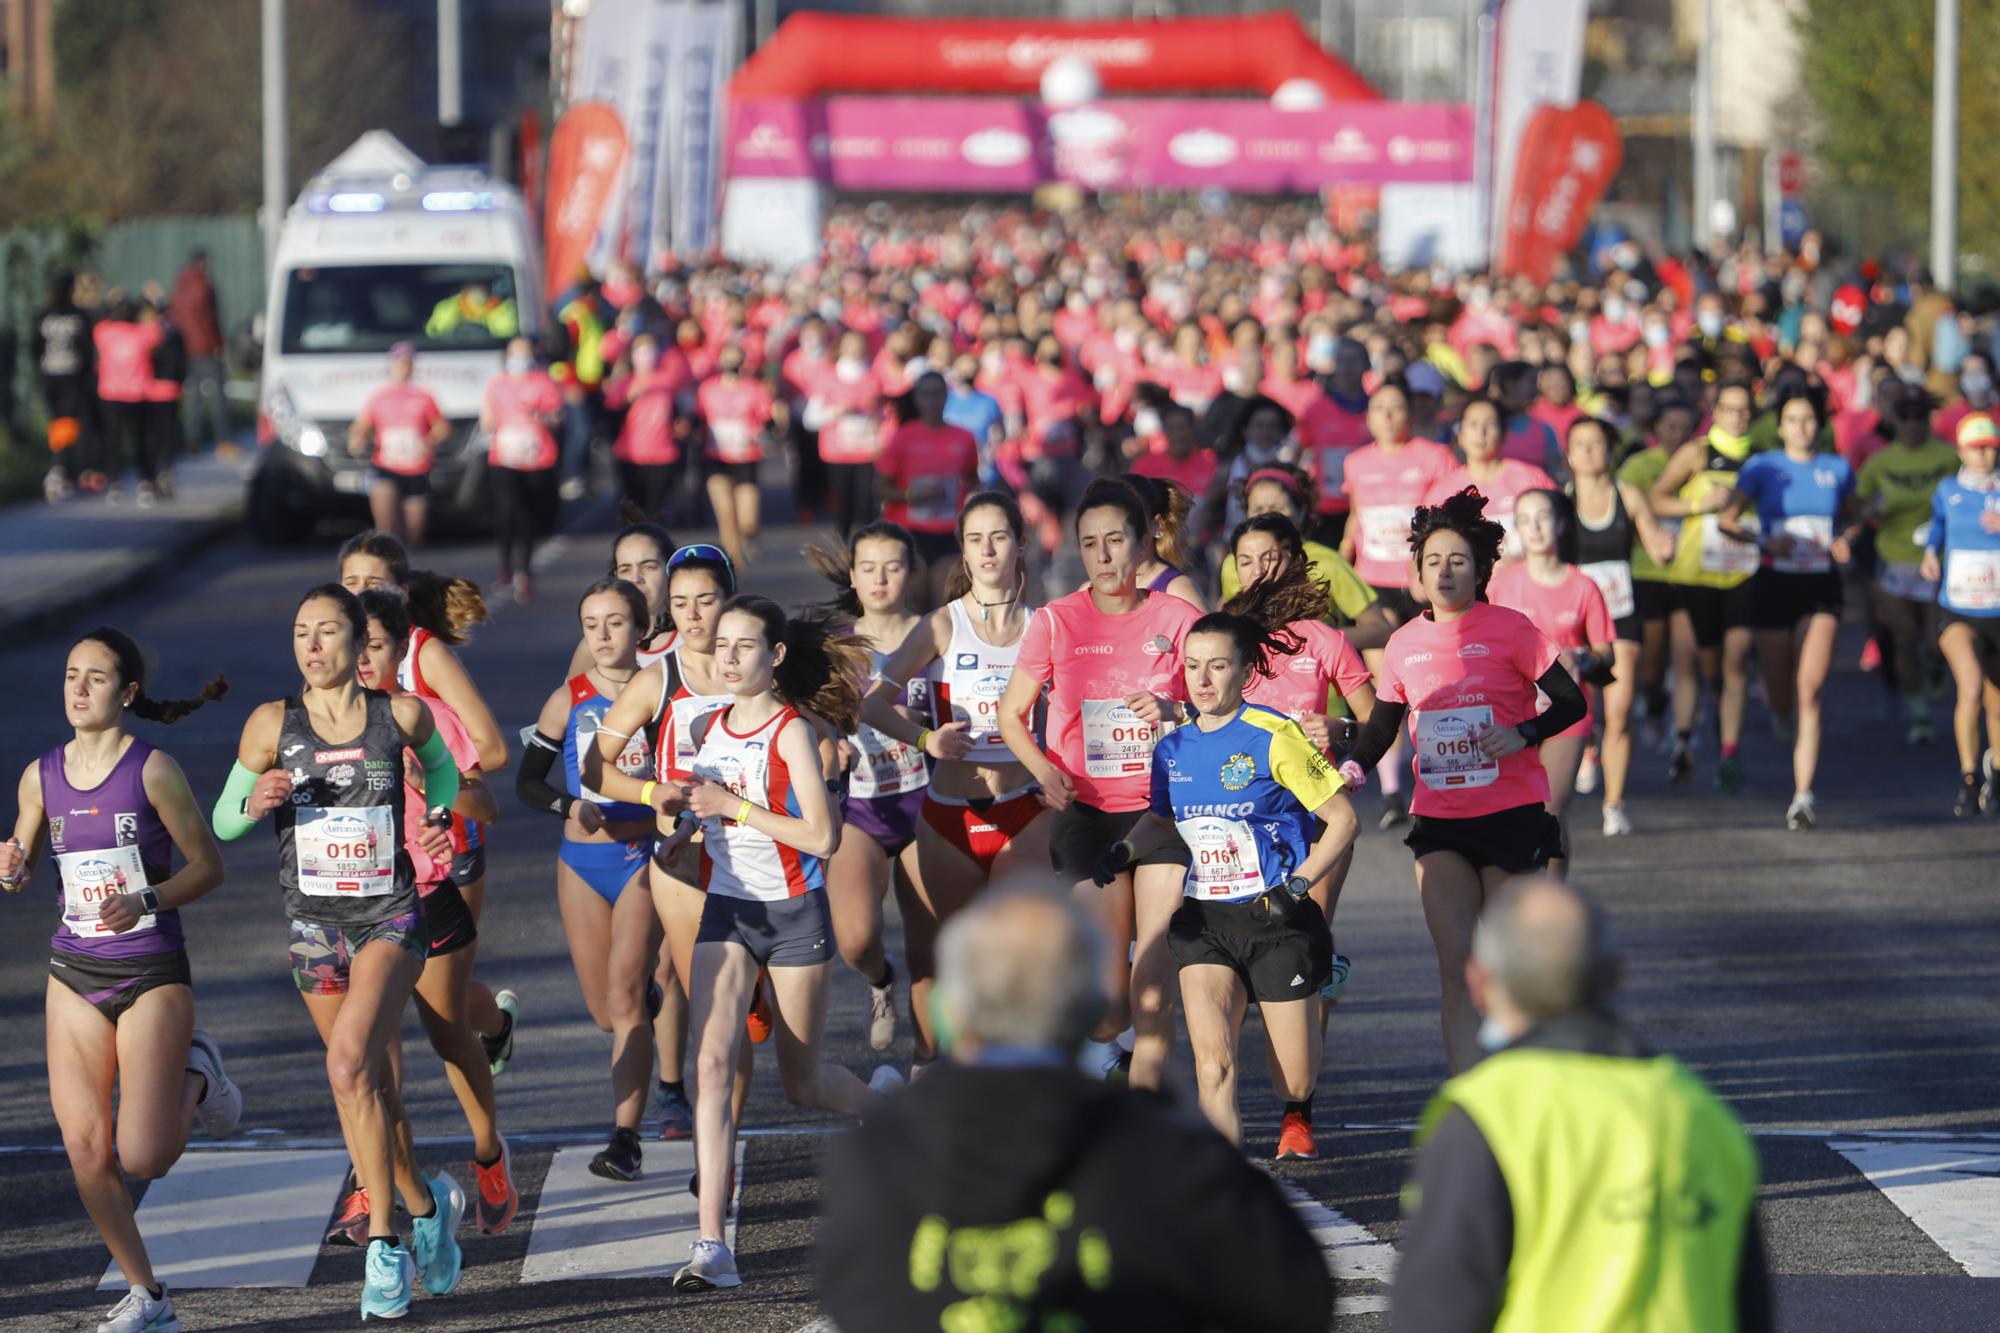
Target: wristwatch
{"points": [[1530, 733], [438, 817], [1297, 886], [150, 899]]}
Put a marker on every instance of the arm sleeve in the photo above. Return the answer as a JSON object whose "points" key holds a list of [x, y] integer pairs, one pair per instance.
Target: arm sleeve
{"points": [[1453, 1270], [1379, 733], [1567, 706], [531, 779], [231, 819], [440, 772]]}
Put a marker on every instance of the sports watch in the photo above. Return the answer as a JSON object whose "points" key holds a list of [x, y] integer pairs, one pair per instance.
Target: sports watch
{"points": [[150, 900], [1297, 886]]}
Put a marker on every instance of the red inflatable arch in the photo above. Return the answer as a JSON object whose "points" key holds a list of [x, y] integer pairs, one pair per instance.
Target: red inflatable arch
{"points": [[819, 55]]}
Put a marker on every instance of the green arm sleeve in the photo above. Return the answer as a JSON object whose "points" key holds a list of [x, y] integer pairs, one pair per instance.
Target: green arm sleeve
{"points": [[440, 773], [231, 819]]}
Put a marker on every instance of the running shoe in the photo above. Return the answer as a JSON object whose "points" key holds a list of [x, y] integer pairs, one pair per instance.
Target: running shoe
{"points": [[620, 1159], [882, 1010], [500, 1048], [1802, 814], [710, 1265], [1920, 732], [676, 1116], [55, 486], [221, 1106], [1967, 803], [1616, 823], [758, 1021], [387, 1280], [1680, 764], [144, 495], [524, 587], [1395, 810], [1337, 982], [1588, 772], [886, 1079], [1295, 1139], [1729, 776], [140, 1312], [350, 1220], [498, 1199], [573, 488], [1871, 654], [434, 1239]]}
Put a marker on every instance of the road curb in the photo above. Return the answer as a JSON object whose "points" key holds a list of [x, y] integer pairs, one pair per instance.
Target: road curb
{"points": [[123, 574]]}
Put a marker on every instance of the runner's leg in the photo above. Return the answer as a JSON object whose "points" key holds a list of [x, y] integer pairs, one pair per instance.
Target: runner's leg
{"points": [[1213, 998]]}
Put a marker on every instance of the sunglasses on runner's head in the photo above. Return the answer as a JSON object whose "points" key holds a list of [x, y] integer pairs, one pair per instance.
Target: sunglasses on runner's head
{"points": [[703, 551]]}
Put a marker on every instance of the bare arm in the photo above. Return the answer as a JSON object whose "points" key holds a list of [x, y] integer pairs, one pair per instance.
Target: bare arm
{"points": [[814, 830], [448, 676], [1017, 707], [17, 855], [628, 715], [1665, 496], [167, 788], [1659, 543]]}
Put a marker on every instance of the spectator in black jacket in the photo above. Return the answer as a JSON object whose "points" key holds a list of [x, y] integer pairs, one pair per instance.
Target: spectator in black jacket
{"points": [[1006, 1190], [65, 361]]}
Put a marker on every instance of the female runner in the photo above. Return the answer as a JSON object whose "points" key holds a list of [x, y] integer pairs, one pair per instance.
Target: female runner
{"points": [[1385, 482], [981, 818], [443, 611], [1566, 605], [612, 929], [737, 410], [1351, 604], [1963, 557], [760, 793], [1242, 789], [454, 937], [1502, 481], [1808, 516], [1166, 558], [120, 995], [1613, 521], [925, 469], [1896, 483], [1108, 656], [1464, 674], [357, 934]]}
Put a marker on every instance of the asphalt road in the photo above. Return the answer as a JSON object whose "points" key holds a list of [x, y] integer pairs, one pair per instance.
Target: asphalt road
{"points": [[1828, 984]]}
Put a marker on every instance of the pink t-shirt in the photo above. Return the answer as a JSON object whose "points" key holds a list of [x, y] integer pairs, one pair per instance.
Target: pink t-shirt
{"points": [[517, 405], [124, 359], [459, 741], [1386, 487], [1480, 670], [647, 437], [1090, 662], [736, 415], [1300, 685], [1194, 472], [1514, 480], [934, 468], [853, 432], [402, 416], [1330, 435], [1572, 615]]}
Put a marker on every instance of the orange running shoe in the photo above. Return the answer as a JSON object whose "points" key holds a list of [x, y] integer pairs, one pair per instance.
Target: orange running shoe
{"points": [[350, 1221], [1295, 1139], [758, 1022], [497, 1198]]}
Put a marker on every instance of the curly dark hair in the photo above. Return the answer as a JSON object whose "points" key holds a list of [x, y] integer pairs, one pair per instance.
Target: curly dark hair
{"points": [[1464, 514]]}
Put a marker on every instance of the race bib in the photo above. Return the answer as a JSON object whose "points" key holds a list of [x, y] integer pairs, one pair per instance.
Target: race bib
{"points": [[1614, 579], [975, 701], [518, 444], [1116, 744], [1812, 545], [346, 853], [91, 879], [634, 761], [857, 431], [1385, 531], [1907, 582], [732, 440], [1723, 554], [403, 449], [934, 499], [1222, 858], [686, 710], [1972, 580], [1448, 753], [887, 766]]}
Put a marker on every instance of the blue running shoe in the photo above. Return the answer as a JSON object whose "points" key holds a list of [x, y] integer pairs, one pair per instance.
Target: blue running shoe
{"points": [[1337, 982], [387, 1279], [434, 1239]]}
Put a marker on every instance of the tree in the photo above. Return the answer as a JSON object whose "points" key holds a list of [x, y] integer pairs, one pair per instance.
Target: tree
{"points": [[1867, 70]]}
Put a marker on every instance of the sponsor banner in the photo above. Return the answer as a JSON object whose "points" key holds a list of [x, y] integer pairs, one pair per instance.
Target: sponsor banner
{"points": [[1568, 157], [699, 41], [980, 144], [620, 60], [1538, 61], [586, 162]]}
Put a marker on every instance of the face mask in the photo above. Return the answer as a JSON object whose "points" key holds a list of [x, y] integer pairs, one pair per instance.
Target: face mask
{"points": [[1976, 383], [520, 365], [1260, 454], [645, 358], [1710, 323], [1145, 422], [1579, 332], [849, 369], [1493, 1037], [1656, 335], [1482, 296], [1320, 348], [1124, 340]]}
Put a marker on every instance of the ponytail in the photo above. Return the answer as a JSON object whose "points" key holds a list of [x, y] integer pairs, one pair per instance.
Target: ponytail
{"points": [[445, 605], [1261, 616], [131, 668], [1169, 504]]}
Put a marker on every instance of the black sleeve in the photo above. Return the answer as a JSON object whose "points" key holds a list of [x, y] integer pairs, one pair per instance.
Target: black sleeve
{"points": [[1567, 706], [1753, 1282], [531, 779], [1452, 1275], [1378, 733]]}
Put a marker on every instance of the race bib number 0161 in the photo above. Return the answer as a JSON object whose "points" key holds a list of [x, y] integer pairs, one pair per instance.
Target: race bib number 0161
{"points": [[1448, 753], [346, 852], [1116, 743], [90, 880]]}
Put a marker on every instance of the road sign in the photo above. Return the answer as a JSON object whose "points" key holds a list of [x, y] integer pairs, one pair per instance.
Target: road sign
{"points": [[1791, 175]]}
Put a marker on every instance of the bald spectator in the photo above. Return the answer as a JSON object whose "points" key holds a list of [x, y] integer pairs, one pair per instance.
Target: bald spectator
{"points": [[192, 310], [1005, 1189], [1573, 1179]]}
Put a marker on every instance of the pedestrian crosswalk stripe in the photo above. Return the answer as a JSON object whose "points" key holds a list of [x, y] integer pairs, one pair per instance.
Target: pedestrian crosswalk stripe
{"points": [[589, 1227], [227, 1220], [1950, 1190]]}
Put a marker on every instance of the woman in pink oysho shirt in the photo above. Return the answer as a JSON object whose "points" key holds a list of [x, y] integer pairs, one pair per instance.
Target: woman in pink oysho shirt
{"points": [[405, 426], [1501, 481], [1464, 675], [737, 410], [521, 405]]}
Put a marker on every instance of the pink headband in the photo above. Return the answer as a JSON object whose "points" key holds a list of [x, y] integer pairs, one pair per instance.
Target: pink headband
{"points": [[1277, 474]]}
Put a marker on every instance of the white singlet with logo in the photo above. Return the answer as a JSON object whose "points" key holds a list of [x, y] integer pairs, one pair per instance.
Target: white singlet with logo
{"points": [[1224, 861], [346, 851], [91, 879], [975, 674], [1614, 579], [1448, 753], [738, 861], [1116, 743]]}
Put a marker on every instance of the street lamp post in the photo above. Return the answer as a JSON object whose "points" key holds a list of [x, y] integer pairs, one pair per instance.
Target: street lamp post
{"points": [[1944, 148], [275, 132]]}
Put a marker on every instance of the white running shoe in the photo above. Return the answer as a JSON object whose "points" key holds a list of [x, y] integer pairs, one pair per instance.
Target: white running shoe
{"points": [[1801, 816], [1616, 825], [882, 1010], [140, 1313], [221, 1106], [710, 1265], [1587, 772]]}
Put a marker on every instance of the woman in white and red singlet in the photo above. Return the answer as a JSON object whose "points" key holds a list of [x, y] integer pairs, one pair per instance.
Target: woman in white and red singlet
{"points": [[520, 406], [1500, 480], [1109, 656], [1567, 606], [406, 425], [1464, 674], [738, 412], [923, 474], [982, 818]]}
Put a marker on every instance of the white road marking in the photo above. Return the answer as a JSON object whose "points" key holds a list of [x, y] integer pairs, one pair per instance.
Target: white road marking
{"points": [[1950, 1190], [588, 1227], [211, 1222], [1353, 1254]]}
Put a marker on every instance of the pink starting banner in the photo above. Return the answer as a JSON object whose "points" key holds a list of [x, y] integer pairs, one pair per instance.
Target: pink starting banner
{"points": [[1008, 145]]}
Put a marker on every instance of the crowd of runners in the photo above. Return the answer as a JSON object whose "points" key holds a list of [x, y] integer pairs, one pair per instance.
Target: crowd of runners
{"points": [[1153, 540]]}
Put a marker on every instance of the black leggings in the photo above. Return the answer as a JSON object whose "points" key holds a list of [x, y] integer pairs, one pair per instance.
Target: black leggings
{"points": [[163, 439], [524, 510], [647, 485], [124, 438], [853, 489]]}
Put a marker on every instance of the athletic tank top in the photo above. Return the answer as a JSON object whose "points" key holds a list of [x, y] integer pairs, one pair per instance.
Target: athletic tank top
{"points": [[107, 840], [1605, 554], [1160, 580], [737, 861], [668, 642], [340, 840], [466, 834], [887, 766], [679, 707], [972, 675], [586, 713], [1706, 556]]}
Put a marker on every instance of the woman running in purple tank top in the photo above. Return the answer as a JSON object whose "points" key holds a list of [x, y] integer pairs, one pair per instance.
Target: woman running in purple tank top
{"points": [[120, 1004]]}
